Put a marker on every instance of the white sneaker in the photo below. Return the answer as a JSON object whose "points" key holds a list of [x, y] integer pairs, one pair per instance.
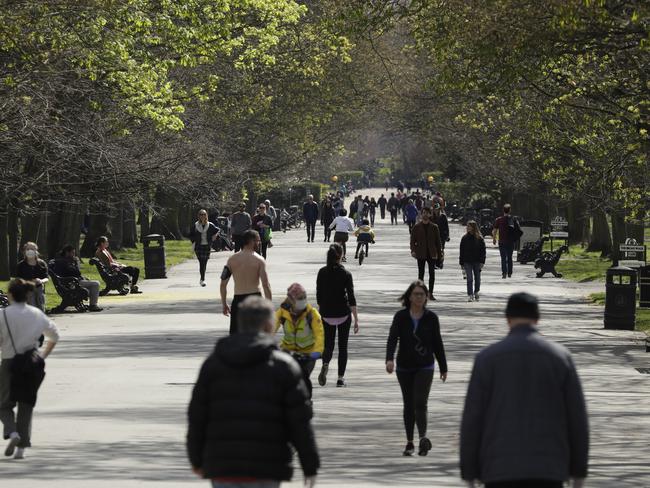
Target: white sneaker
{"points": [[202, 283], [470, 298], [476, 296], [20, 453]]}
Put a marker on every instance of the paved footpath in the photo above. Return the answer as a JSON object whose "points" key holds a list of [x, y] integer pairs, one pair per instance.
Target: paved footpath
{"points": [[112, 408]]}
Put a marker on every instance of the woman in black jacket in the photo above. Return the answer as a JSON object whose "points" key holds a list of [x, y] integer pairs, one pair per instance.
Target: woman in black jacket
{"points": [[202, 235], [326, 219], [417, 330], [472, 259], [337, 305]]}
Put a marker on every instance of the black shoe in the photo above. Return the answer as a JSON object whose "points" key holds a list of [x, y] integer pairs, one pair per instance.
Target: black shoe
{"points": [[94, 308], [503, 276], [425, 447], [340, 383], [409, 449], [431, 297], [510, 275], [135, 290], [322, 377], [356, 256]]}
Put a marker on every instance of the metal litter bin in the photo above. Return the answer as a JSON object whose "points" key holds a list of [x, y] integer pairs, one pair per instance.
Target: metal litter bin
{"points": [[620, 298], [154, 257]]}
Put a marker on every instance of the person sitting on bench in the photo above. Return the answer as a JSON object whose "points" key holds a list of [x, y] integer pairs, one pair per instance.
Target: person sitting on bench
{"points": [[107, 259], [67, 265]]}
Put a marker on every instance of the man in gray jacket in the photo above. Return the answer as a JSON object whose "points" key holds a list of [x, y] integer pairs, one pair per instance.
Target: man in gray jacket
{"points": [[525, 421], [240, 222]]}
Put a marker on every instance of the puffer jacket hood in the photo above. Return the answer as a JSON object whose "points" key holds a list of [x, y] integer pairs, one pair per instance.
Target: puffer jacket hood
{"points": [[244, 350]]}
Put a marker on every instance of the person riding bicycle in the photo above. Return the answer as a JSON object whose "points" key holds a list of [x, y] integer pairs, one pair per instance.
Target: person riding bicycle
{"points": [[304, 337], [365, 236]]}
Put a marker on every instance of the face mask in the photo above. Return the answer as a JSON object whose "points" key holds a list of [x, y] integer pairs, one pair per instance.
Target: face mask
{"points": [[300, 304], [30, 253]]}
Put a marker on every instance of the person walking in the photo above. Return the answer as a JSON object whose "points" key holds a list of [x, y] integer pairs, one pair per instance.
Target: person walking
{"points": [[338, 306], [104, 255], [342, 226], [393, 206], [202, 235], [303, 330], [525, 422], [411, 214], [417, 330], [327, 216], [271, 212], [67, 266], [248, 270], [21, 326], [382, 202], [240, 222], [33, 268], [504, 226], [440, 219], [249, 408], [263, 224], [426, 247], [472, 259], [310, 214], [372, 210]]}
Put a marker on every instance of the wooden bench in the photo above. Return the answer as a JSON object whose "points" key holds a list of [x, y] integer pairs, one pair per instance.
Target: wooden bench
{"points": [[114, 280], [69, 289]]}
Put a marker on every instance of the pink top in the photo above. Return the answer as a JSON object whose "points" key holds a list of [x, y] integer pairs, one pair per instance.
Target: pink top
{"points": [[335, 320]]}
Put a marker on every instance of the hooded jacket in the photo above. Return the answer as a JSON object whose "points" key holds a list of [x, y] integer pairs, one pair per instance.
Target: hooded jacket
{"points": [[305, 335], [248, 405]]}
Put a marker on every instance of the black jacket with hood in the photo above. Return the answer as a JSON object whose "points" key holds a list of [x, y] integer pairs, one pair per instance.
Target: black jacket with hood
{"points": [[248, 405]]}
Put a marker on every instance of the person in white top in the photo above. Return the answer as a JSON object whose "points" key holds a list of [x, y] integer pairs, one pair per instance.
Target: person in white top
{"points": [[21, 326], [342, 226]]}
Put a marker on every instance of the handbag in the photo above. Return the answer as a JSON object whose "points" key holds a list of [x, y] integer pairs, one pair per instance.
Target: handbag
{"points": [[27, 372]]}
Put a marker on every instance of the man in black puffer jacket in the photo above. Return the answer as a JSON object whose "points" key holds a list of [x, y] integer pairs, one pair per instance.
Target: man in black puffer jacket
{"points": [[248, 406]]}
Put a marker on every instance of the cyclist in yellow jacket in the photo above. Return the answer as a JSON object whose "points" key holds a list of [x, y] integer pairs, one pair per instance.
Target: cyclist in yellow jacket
{"points": [[303, 337]]}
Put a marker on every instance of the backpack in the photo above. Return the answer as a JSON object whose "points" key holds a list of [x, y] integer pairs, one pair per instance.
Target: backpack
{"points": [[514, 229]]}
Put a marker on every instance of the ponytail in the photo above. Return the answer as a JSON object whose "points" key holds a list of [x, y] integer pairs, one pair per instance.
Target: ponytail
{"points": [[334, 254]]}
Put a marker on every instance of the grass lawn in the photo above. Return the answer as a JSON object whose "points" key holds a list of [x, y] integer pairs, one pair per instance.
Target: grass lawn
{"points": [[175, 253]]}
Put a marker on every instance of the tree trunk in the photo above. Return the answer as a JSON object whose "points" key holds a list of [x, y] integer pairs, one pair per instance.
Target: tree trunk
{"points": [[145, 226], [635, 230], [576, 218], [130, 237], [600, 237], [64, 228], [5, 273], [165, 222], [98, 227], [186, 219], [116, 227], [618, 230], [12, 233], [30, 226]]}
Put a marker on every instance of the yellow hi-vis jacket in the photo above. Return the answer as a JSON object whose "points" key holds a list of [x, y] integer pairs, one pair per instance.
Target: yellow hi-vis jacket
{"points": [[306, 335]]}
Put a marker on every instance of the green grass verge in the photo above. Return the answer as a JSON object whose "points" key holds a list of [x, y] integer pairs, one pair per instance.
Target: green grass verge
{"points": [[642, 314], [582, 266], [176, 252]]}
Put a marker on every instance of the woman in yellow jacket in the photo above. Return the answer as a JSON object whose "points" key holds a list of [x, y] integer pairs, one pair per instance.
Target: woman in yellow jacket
{"points": [[303, 337]]}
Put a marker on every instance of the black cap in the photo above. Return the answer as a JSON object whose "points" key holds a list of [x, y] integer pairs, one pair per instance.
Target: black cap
{"points": [[522, 305]]}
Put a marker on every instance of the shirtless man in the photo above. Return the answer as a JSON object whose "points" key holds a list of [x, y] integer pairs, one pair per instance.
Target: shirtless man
{"points": [[247, 269]]}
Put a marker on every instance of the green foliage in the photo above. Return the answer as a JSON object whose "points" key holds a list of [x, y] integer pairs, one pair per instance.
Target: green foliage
{"points": [[356, 177], [582, 266]]}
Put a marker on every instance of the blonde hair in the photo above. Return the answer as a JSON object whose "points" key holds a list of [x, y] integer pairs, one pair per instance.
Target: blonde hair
{"points": [[474, 230]]}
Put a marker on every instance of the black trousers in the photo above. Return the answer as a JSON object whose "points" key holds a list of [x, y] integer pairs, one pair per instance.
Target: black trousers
{"points": [[327, 231], [238, 241], [525, 484], [307, 365], [415, 386], [203, 265], [330, 340], [133, 272], [432, 271], [359, 244], [234, 308], [393, 216], [382, 212], [264, 247], [311, 229], [372, 218]]}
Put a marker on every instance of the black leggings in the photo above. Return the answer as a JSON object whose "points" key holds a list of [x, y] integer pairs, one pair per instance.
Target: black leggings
{"points": [[432, 271], [393, 216], [525, 484], [415, 387], [311, 229], [203, 264], [328, 232], [330, 339], [359, 244]]}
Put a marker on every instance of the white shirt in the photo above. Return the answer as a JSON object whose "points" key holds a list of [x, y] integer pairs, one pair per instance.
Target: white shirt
{"points": [[27, 324], [342, 224]]}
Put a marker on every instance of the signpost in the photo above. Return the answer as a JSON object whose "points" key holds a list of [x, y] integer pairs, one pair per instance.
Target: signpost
{"points": [[559, 230], [631, 254]]}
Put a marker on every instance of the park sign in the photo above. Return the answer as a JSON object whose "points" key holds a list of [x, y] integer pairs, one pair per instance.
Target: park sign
{"points": [[559, 228], [631, 254]]}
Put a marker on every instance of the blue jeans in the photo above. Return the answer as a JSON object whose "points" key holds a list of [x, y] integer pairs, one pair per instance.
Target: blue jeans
{"points": [[506, 249], [473, 272], [252, 484]]}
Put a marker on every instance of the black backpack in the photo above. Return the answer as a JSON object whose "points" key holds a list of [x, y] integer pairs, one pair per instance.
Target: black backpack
{"points": [[514, 229]]}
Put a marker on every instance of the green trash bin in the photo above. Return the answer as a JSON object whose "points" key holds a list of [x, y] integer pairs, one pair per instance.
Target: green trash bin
{"points": [[154, 257], [620, 298]]}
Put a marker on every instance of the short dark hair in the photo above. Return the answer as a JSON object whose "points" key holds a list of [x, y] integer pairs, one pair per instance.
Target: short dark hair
{"points": [[406, 297], [343, 212], [66, 249], [334, 253], [19, 289], [253, 313], [507, 208], [365, 222], [249, 236], [522, 305]]}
